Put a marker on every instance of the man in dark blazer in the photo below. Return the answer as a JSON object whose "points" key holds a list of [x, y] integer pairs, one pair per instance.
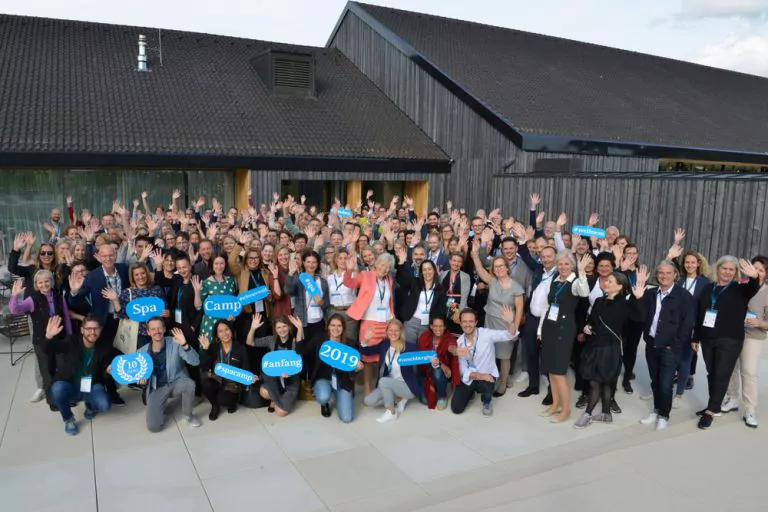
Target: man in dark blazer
{"points": [[668, 323]]}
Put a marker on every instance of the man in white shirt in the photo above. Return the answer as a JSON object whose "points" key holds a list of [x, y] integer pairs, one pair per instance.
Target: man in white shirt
{"points": [[477, 360]]}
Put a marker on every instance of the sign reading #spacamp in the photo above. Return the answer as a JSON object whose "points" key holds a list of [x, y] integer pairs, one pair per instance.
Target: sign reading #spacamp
{"points": [[251, 296], [131, 368], [416, 358], [344, 212], [141, 310], [340, 356], [233, 373], [278, 362], [222, 306], [309, 284], [587, 231]]}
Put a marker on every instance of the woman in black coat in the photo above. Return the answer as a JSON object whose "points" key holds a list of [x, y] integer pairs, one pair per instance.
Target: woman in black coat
{"points": [[422, 298], [218, 390]]}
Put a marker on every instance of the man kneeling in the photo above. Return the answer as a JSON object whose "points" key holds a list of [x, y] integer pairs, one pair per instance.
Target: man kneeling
{"points": [[81, 371], [169, 375]]}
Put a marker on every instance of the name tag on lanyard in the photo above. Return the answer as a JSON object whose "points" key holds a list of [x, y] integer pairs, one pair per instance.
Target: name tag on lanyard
{"points": [[554, 311], [85, 384], [334, 381], [710, 317]]}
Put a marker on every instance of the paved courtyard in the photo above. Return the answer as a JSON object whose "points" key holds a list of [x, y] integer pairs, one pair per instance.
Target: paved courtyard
{"points": [[427, 460]]}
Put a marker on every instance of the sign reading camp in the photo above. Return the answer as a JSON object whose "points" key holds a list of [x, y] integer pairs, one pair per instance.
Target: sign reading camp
{"points": [[141, 310], [222, 306]]}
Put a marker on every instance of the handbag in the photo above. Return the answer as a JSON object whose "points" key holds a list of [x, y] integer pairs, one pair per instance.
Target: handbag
{"points": [[127, 337], [251, 398]]}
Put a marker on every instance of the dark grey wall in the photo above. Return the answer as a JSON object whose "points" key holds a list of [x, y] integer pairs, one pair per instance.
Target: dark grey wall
{"points": [[721, 215]]}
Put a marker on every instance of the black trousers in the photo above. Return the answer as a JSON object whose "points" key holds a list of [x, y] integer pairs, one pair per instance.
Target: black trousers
{"points": [[45, 359], [464, 393], [217, 395], [532, 350], [633, 331], [720, 356]]}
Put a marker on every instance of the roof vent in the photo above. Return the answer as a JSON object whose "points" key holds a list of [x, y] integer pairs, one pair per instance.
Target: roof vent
{"points": [[142, 53], [286, 72]]}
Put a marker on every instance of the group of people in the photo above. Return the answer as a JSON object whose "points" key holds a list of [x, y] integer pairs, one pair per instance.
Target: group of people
{"points": [[483, 292]]}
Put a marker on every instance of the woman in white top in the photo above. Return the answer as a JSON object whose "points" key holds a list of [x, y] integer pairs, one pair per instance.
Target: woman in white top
{"points": [[342, 297]]}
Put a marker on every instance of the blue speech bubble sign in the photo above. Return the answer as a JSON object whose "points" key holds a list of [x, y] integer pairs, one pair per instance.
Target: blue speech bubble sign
{"points": [[344, 212], [416, 358], [131, 368], [340, 356], [278, 362], [260, 293], [233, 373], [588, 231], [222, 306], [309, 284], [141, 310]]}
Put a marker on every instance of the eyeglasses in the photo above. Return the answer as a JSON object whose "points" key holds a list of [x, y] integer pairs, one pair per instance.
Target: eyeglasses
{"points": [[46, 253], [253, 258]]}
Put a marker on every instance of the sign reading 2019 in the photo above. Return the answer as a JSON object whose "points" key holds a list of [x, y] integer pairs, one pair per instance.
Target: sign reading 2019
{"points": [[339, 356], [141, 310], [222, 306]]}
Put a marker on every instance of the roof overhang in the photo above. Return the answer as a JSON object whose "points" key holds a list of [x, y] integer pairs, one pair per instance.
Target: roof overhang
{"points": [[544, 143], [210, 161]]}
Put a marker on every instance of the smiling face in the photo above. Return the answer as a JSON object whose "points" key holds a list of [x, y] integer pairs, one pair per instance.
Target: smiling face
{"points": [[252, 259], [437, 326], [468, 322], [184, 269], [726, 272], [499, 268], [665, 275], [46, 255], [611, 285], [335, 329], [283, 257], [223, 333], [393, 332], [282, 329], [761, 273], [61, 251], [267, 252], [140, 277], [219, 266], [428, 271], [43, 284], [691, 265], [311, 264], [564, 266], [156, 330]]}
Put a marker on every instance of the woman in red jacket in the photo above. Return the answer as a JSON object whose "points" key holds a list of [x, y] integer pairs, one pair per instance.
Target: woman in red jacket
{"points": [[445, 367]]}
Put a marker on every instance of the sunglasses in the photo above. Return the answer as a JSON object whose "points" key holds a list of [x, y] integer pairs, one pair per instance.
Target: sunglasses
{"points": [[46, 253]]}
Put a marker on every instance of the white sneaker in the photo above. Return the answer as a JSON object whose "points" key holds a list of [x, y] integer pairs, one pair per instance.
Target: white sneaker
{"points": [[401, 405], [662, 424], [750, 419], [387, 417], [38, 396], [522, 377], [729, 404], [647, 397], [677, 402], [650, 419], [192, 421]]}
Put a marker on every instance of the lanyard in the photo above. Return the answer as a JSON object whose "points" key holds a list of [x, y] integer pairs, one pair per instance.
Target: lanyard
{"points": [[474, 346], [452, 281], [382, 290], [632, 279], [228, 357], [428, 298], [689, 288], [560, 287], [87, 365], [390, 360], [256, 283], [340, 284], [179, 293], [717, 296]]}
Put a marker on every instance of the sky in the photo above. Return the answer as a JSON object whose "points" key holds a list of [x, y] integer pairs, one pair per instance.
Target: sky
{"points": [[731, 34]]}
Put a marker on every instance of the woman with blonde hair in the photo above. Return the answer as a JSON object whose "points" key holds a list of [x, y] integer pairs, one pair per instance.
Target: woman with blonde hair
{"points": [[142, 285], [397, 384], [342, 297]]}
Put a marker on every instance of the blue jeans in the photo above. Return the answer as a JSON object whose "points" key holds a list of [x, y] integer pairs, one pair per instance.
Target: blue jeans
{"points": [[684, 369], [441, 383], [63, 393], [344, 400], [662, 363]]}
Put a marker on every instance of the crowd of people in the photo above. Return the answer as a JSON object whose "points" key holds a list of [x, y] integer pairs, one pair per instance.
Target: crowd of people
{"points": [[485, 293]]}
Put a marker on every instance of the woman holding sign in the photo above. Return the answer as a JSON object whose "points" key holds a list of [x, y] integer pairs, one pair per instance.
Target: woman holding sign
{"points": [[423, 298], [723, 308], [142, 285], [502, 290], [282, 391], [251, 274], [374, 307], [311, 305], [557, 330], [218, 390], [444, 367], [342, 297], [217, 284], [327, 381], [397, 384]]}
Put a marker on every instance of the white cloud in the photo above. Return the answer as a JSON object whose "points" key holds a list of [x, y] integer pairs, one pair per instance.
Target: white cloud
{"points": [[742, 53], [745, 9]]}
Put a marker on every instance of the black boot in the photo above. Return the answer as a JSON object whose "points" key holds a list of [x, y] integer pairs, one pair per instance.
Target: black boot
{"points": [[325, 410], [214, 415]]}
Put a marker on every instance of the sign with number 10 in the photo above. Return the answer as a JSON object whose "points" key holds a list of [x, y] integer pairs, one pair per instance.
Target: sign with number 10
{"points": [[339, 356]]}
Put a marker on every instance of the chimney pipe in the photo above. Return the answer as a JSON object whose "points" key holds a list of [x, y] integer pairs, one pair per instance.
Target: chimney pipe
{"points": [[142, 53]]}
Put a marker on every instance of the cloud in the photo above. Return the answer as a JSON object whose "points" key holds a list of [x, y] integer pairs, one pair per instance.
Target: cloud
{"points": [[748, 54], [753, 10]]}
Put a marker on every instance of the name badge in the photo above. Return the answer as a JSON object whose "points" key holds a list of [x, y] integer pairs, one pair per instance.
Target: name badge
{"points": [[425, 317], [177, 316], [554, 311], [710, 317], [258, 306], [85, 384], [334, 381], [751, 315], [382, 314]]}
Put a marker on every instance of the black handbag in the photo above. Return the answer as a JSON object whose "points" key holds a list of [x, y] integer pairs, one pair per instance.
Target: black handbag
{"points": [[251, 398]]}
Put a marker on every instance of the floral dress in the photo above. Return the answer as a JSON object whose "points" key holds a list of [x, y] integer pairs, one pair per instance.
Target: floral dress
{"points": [[212, 287]]}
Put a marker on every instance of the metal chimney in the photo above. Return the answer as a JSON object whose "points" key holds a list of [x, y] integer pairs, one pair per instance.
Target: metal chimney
{"points": [[142, 53]]}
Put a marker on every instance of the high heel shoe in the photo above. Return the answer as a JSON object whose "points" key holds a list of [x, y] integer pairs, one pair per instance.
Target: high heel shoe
{"points": [[546, 413], [560, 418]]}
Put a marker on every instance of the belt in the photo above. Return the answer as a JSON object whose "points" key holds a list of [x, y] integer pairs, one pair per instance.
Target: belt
{"points": [[341, 308]]}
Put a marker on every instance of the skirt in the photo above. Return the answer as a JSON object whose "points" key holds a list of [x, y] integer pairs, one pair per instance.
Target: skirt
{"points": [[601, 362], [504, 349], [370, 354], [414, 329]]}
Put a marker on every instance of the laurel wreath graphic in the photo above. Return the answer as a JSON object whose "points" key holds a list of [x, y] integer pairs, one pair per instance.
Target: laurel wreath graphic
{"points": [[139, 375]]}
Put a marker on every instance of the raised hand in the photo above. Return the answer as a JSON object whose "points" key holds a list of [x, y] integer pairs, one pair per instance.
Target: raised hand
{"points": [[402, 254], [296, 322], [157, 259], [293, 266], [274, 270], [257, 322], [196, 283], [178, 336], [19, 241], [109, 294], [562, 219], [54, 327], [582, 264], [628, 262], [176, 194], [75, 282], [540, 218], [679, 235], [18, 287], [144, 194], [594, 217], [674, 252], [575, 239], [203, 339], [747, 268], [507, 313], [535, 200]]}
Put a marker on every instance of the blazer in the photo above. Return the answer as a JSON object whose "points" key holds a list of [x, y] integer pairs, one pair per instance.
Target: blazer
{"points": [[175, 359], [443, 260], [294, 288], [410, 289], [676, 320], [191, 317], [95, 283], [366, 283], [410, 376], [69, 353], [466, 286]]}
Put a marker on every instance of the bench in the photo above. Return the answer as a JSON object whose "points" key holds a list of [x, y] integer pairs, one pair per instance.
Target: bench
{"points": [[15, 327]]}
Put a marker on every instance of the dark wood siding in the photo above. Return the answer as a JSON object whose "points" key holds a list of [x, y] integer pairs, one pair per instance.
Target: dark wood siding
{"points": [[721, 215]]}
